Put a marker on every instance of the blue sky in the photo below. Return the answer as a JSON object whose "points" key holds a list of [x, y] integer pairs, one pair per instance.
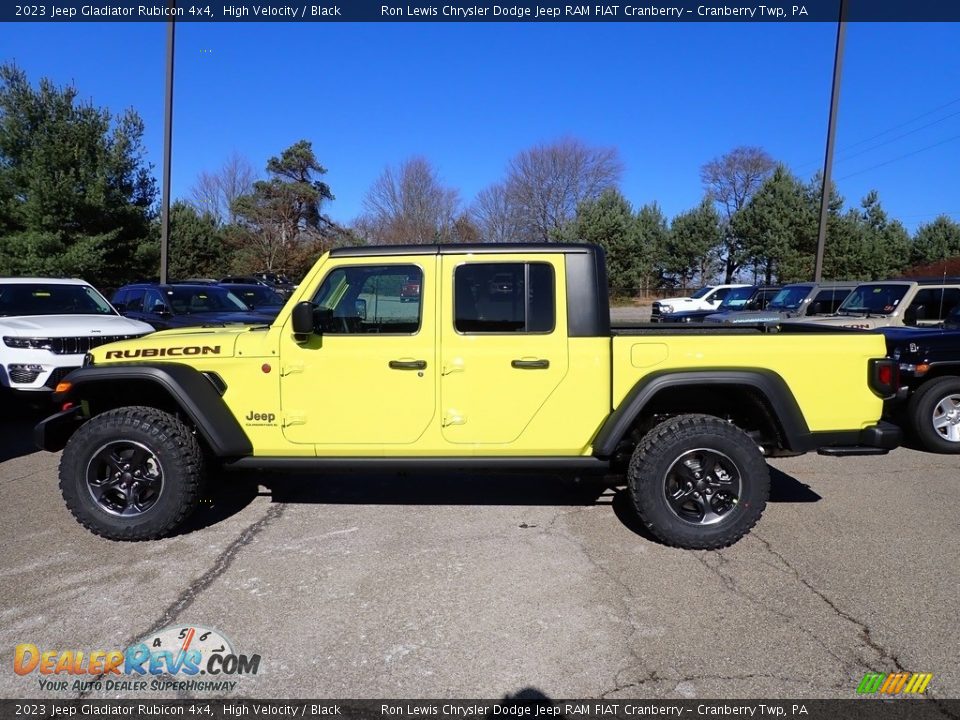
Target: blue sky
{"points": [[469, 96]]}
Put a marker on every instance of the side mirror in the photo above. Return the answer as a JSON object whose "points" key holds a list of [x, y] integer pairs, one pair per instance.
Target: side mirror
{"points": [[816, 308], [160, 309], [361, 307], [302, 320], [120, 307]]}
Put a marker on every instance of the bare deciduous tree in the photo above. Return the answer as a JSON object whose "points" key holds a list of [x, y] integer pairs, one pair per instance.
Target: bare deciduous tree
{"points": [[730, 181], [409, 205], [546, 183], [215, 193], [495, 216]]}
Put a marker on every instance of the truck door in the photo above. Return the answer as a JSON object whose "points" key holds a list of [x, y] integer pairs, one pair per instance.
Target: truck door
{"points": [[503, 343], [368, 377]]}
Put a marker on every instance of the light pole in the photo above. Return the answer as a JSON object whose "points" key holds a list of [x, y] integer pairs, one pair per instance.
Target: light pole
{"points": [[167, 136], [831, 133]]}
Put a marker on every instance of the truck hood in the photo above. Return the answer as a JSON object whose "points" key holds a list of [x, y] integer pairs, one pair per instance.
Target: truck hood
{"points": [[674, 301], [861, 322], [737, 317], [172, 345], [71, 326]]}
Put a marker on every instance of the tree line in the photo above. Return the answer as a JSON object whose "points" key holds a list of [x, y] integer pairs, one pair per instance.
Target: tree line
{"points": [[78, 198]]}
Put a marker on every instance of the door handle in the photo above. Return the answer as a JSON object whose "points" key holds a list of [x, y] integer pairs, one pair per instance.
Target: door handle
{"points": [[408, 364], [530, 364]]}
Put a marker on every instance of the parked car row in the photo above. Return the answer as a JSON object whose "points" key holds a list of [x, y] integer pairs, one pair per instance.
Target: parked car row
{"points": [[48, 325]]}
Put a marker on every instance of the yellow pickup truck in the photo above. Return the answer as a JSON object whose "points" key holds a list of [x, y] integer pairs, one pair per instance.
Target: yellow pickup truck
{"points": [[503, 359]]}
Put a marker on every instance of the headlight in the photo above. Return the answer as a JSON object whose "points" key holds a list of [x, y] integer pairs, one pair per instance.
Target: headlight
{"points": [[28, 343], [665, 309], [687, 319]]}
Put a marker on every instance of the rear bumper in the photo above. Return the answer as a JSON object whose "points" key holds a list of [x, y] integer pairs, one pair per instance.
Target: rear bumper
{"points": [[877, 439]]}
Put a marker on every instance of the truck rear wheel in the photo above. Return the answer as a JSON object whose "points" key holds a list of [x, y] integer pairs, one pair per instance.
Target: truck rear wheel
{"points": [[935, 415], [134, 473], [698, 482]]}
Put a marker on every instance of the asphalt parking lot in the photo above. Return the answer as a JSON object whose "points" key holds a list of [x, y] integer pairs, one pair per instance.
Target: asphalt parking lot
{"points": [[484, 586]]}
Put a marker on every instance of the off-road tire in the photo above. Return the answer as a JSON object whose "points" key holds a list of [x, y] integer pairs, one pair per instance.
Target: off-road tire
{"points": [[920, 411], [658, 452], [175, 449]]}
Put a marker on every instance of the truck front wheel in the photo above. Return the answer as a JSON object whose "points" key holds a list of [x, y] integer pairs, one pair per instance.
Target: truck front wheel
{"points": [[134, 473], [698, 482]]}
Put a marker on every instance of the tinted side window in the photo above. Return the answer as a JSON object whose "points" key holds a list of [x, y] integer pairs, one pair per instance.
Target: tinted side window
{"points": [[119, 298], [504, 298], [364, 299], [937, 302], [135, 300], [829, 300], [720, 294]]}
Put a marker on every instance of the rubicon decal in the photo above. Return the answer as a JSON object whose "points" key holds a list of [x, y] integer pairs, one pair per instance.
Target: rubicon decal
{"points": [[174, 652], [163, 352]]}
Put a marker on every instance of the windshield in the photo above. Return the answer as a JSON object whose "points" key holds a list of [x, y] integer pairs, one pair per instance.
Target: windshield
{"points": [[51, 299], [736, 298], [874, 298], [789, 298], [258, 296], [701, 292], [188, 301]]}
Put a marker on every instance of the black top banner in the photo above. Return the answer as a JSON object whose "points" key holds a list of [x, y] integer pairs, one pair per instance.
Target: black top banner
{"points": [[478, 11], [504, 709]]}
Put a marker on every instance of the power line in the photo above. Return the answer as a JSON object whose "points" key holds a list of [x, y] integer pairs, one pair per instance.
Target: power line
{"points": [[904, 124], [898, 137], [892, 129], [901, 157]]}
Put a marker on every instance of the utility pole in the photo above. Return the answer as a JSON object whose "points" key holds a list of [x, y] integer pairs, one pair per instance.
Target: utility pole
{"points": [[167, 137], [831, 133]]}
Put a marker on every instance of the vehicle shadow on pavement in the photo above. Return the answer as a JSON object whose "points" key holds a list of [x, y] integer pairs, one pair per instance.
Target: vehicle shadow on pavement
{"points": [[233, 491], [435, 488], [16, 429]]}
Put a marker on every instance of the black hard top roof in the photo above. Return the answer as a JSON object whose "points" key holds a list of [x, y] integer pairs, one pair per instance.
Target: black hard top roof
{"points": [[462, 249]]}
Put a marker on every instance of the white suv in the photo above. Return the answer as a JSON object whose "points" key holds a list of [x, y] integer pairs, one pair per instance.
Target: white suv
{"points": [[48, 325], [706, 298]]}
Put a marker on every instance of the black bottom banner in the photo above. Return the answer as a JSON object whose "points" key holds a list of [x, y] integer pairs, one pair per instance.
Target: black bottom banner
{"points": [[508, 709]]}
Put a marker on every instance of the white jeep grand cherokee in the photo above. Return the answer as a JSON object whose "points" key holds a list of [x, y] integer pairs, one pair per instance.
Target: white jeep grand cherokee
{"points": [[48, 325]]}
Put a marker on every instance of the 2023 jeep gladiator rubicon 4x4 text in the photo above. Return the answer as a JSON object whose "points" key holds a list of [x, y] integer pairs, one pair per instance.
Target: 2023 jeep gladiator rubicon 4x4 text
{"points": [[505, 360]]}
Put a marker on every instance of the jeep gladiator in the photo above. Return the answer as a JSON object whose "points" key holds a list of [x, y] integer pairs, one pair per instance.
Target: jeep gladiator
{"points": [[504, 361]]}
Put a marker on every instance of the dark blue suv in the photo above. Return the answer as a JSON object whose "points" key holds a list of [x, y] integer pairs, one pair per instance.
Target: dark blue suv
{"points": [[184, 305]]}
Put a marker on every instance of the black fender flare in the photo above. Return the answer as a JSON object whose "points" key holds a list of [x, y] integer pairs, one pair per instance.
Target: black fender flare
{"points": [[197, 396], [772, 387]]}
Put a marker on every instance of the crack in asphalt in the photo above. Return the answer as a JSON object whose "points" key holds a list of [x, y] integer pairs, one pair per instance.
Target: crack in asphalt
{"points": [[731, 585], [654, 678], [551, 529], [194, 589], [864, 629]]}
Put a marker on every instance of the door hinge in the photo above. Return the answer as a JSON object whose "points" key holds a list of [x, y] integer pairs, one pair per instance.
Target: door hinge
{"points": [[453, 366], [294, 419], [452, 417]]}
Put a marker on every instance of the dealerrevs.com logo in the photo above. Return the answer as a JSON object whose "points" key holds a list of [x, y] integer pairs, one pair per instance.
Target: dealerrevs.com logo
{"points": [[172, 659]]}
